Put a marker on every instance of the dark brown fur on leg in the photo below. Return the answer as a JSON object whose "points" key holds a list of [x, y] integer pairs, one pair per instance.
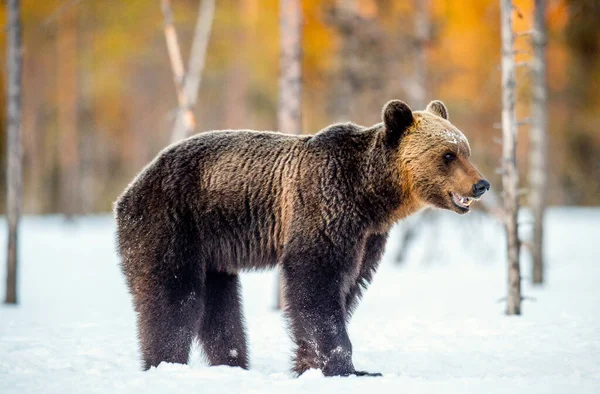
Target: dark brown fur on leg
{"points": [[222, 332], [166, 332], [305, 358], [169, 310], [165, 275], [314, 276], [169, 305]]}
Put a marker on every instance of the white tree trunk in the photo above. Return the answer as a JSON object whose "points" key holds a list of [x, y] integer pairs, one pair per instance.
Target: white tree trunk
{"points": [[510, 174], [538, 132], [422, 33], [67, 81], [196, 63], [290, 81], [184, 111], [290, 67], [348, 72], [14, 153]]}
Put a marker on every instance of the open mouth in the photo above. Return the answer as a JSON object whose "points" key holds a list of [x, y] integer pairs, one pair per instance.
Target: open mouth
{"points": [[463, 203]]}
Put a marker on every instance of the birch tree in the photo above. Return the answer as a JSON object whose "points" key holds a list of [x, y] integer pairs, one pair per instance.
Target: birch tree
{"points": [[422, 37], [538, 132], [237, 85], [67, 112], [187, 85], [196, 63], [289, 114], [14, 153], [346, 19], [290, 67], [357, 82], [510, 174]]}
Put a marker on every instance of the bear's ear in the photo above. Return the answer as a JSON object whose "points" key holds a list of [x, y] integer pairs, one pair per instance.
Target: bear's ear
{"points": [[438, 108], [397, 117]]}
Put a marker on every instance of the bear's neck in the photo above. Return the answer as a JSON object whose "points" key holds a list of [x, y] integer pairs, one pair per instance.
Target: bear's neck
{"points": [[389, 193]]}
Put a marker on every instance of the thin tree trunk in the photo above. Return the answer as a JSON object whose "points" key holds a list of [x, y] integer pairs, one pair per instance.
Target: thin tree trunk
{"points": [[14, 154], [510, 175], [422, 29], [67, 113], [193, 78], [290, 79], [33, 153], [184, 110], [537, 152], [290, 62], [88, 134], [236, 114], [347, 11]]}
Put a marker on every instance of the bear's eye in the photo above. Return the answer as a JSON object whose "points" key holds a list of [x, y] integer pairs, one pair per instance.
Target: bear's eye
{"points": [[449, 157]]}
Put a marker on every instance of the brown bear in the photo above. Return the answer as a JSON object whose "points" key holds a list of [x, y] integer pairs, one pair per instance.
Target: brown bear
{"points": [[319, 206]]}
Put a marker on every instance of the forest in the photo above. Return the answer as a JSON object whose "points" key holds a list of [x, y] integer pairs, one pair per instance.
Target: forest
{"points": [[99, 103], [126, 273]]}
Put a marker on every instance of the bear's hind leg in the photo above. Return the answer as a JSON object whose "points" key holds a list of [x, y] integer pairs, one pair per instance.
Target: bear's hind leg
{"points": [[168, 293], [222, 332], [167, 328]]}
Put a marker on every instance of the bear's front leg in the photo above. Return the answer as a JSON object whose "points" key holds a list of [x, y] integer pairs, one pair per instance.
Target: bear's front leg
{"points": [[315, 276]]}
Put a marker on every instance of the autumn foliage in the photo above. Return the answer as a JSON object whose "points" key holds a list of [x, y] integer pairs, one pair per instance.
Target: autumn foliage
{"points": [[102, 107]]}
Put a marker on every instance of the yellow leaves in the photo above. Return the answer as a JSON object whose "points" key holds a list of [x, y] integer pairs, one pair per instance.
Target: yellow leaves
{"points": [[318, 42], [126, 81], [466, 49], [557, 15], [367, 8]]}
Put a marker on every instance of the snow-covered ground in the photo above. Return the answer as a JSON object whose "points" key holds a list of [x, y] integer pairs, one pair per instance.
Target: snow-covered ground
{"points": [[435, 327]]}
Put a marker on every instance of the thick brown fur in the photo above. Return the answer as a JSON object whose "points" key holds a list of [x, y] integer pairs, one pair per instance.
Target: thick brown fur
{"points": [[319, 206]]}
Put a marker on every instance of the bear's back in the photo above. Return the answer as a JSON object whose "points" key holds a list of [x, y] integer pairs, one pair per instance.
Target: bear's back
{"points": [[216, 162], [231, 184], [242, 193]]}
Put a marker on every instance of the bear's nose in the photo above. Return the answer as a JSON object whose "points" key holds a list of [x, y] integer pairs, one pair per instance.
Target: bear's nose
{"points": [[481, 187]]}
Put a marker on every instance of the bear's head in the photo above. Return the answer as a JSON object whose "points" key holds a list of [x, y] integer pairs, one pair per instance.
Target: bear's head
{"points": [[433, 157]]}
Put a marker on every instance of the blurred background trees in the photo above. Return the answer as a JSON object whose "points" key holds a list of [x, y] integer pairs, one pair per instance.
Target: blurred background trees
{"points": [[14, 71], [98, 100]]}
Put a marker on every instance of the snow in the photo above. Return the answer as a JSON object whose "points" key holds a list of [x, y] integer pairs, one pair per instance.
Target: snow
{"points": [[452, 136], [433, 325]]}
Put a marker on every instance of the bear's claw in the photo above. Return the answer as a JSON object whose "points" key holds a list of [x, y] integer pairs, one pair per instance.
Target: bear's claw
{"points": [[364, 373]]}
